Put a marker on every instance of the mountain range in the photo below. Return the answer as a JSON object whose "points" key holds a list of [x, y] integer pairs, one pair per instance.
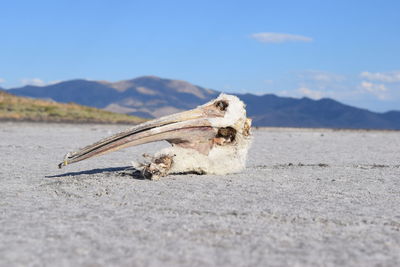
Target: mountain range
{"points": [[151, 96]]}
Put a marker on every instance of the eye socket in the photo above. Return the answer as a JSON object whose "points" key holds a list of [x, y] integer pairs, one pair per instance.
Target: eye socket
{"points": [[228, 133], [221, 105]]}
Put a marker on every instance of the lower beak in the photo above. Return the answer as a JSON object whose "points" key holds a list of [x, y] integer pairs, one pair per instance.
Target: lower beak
{"points": [[177, 128]]}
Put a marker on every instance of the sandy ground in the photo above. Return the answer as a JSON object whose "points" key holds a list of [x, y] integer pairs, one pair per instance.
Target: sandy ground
{"points": [[307, 198]]}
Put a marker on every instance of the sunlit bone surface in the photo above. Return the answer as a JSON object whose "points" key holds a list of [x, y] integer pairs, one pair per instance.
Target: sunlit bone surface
{"points": [[211, 139]]}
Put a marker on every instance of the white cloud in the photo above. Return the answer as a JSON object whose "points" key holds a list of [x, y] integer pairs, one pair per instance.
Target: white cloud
{"points": [[53, 82], [321, 76], [268, 81], [284, 93], [372, 87], [2, 80], [378, 90], [317, 84], [314, 94], [387, 77], [37, 82], [33, 81], [274, 37]]}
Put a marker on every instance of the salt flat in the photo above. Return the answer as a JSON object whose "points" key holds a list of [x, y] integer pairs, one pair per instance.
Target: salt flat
{"points": [[307, 198]]}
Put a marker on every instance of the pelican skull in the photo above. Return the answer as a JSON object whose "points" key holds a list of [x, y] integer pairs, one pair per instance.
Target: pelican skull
{"points": [[211, 139]]}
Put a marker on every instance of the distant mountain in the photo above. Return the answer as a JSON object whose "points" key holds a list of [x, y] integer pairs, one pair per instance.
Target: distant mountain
{"points": [[271, 110], [147, 96], [151, 96]]}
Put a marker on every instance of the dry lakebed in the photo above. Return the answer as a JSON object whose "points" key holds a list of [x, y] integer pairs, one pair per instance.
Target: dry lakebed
{"points": [[308, 197]]}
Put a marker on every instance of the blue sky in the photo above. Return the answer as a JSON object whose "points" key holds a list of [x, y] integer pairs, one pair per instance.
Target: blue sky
{"points": [[346, 50]]}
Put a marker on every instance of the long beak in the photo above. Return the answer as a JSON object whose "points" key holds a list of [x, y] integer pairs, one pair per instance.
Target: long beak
{"points": [[177, 128]]}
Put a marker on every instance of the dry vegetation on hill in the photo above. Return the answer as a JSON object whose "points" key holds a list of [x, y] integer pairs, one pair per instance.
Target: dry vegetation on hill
{"points": [[15, 108]]}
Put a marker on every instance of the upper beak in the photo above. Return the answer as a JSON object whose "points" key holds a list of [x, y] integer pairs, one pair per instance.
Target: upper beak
{"points": [[178, 128]]}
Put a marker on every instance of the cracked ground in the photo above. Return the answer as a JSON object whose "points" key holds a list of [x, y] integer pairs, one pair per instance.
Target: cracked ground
{"points": [[307, 198]]}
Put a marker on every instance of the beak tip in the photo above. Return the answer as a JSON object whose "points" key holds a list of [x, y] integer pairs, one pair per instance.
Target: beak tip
{"points": [[64, 163]]}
